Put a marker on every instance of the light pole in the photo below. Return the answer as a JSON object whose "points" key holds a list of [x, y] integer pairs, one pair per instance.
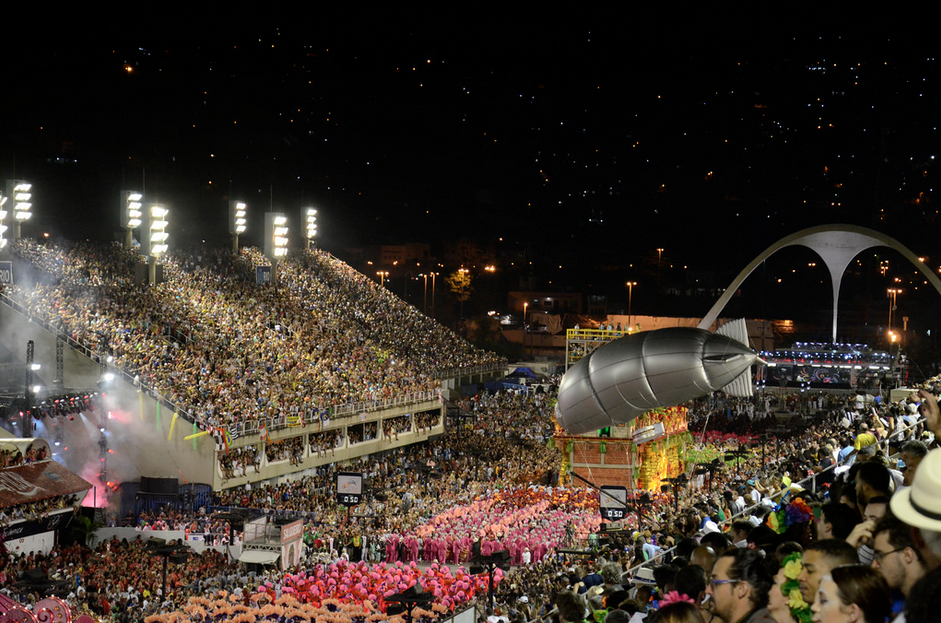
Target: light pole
{"points": [[276, 241], [424, 308], [131, 214], [463, 272], [659, 256], [3, 218], [525, 328], [309, 218], [157, 237], [21, 193], [630, 298], [238, 222], [382, 276], [892, 294]]}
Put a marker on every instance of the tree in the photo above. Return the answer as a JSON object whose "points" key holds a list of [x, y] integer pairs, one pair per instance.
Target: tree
{"points": [[460, 283]]}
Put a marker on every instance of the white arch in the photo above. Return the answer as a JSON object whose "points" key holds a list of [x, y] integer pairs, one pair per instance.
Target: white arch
{"points": [[836, 245]]}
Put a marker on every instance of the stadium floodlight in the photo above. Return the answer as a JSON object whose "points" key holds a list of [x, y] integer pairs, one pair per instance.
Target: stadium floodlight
{"points": [[238, 221], [309, 218], [154, 238], [280, 241], [3, 218], [131, 213], [132, 206], [21, 192], [276, 240], [158, 230]]}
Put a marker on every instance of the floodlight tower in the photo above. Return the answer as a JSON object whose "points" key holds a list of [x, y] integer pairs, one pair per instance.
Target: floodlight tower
{"points": [[238, 222], [156, 238], [21, 194], [309, 218], [276, 240], [131, 214], [3, 220]]}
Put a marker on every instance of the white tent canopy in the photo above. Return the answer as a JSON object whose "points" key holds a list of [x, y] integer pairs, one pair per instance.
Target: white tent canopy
{"points": [[259, 556]]}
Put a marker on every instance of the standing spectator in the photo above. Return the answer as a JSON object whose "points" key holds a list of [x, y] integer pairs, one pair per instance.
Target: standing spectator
{"points": [[739, 587], [851, 593], [820, 557], [895, 557]]}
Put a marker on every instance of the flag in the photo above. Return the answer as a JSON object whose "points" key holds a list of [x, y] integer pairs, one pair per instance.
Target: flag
{"points": [[263, 429]]}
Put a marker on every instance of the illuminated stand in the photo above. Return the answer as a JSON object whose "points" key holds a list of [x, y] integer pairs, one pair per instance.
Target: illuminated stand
{"points": [[20, 208], [131, 214], [276, 241], [309, 218], [154, 240], [238, 222]]}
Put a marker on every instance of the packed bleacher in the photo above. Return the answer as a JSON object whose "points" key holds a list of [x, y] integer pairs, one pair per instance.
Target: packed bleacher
{"points": [[223, 349]]}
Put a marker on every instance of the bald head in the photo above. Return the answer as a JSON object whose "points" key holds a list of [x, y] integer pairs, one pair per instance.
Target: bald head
{"points": [[705, 557]]}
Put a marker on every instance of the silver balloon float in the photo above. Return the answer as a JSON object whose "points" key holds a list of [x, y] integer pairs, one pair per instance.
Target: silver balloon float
{"points": [[627, 377]]}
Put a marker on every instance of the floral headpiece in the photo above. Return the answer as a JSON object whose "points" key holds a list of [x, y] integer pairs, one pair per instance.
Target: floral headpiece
{"points": [[792, 590], [794, 513], [675, 597]]}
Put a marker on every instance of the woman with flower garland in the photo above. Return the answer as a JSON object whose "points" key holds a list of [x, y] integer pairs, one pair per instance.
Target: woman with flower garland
{"points": [[785, 602]]}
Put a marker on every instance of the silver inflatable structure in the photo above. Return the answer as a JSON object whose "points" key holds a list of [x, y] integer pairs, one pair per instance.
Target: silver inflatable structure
{"points": [[634, 374]]}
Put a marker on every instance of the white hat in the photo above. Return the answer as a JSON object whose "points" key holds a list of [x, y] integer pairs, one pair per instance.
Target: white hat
{"points": [[644, 575], [920, 504], [710, 526]]}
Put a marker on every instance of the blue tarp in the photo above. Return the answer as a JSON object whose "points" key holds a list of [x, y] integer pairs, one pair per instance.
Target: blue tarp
{"points": [[521, 372]]}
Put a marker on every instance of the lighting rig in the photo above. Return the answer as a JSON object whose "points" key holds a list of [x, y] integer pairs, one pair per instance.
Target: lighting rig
{"points": [[66, 405]]}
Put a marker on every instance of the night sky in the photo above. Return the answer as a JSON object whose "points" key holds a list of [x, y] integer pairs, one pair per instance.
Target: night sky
{"points": [[572, 147]]}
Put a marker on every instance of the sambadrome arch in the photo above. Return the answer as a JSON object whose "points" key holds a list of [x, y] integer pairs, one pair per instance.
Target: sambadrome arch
{"points": [[836, 245]]}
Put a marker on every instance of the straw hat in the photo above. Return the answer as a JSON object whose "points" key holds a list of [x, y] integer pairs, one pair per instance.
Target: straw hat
{"points": [[920, 504]]}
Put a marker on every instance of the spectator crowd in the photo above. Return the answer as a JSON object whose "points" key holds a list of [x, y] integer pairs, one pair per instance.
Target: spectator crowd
{"points": [[839, 520]]}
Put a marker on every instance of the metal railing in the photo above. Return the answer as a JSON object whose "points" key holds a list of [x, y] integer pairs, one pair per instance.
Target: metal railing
{"points": [[468, 370]]}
